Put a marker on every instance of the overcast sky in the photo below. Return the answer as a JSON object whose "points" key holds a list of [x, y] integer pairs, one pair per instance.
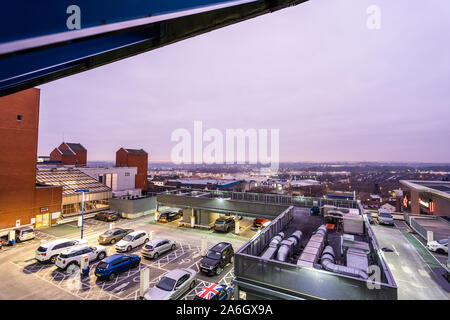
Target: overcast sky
{"points": [[336, 90]]}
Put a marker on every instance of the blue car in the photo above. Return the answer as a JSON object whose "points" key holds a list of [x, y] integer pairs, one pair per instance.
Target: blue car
{"points": [[214, 291], [110, 267]]}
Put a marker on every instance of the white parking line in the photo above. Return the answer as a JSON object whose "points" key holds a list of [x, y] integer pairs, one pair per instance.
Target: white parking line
{"points": [[406, 269], [423, 273]]}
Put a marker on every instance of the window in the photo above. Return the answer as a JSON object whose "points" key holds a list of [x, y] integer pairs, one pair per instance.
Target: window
{"points": [[19, 117], [127, 174], [116, 262], [182, 280]]}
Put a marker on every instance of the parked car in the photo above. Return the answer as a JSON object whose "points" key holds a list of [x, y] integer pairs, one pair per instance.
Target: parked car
{"points": [[370, 218], [168, 216], [260, 222], [315, 211], [385, 217], [111, 236], [155, 248], [110, 267], [440, 246], [224, 224], [217, 258], [73, 255], [48, 252], [107, 216], [132, 240], [173, 285], [24, 234]]}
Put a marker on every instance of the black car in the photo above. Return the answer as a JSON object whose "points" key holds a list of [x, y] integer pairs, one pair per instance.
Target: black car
{"points": [[224, 224], [370, 218], [107, 216], [168, 216], [217, 258]]}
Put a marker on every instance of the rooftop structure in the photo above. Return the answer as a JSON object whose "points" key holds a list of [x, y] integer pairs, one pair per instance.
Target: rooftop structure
{"points": [[126, 157], [427, 197]]}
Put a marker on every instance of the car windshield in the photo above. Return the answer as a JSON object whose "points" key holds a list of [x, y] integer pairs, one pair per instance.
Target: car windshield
{"points": [[128, 238], [213, 255], [148, 246], [108, 233], [42, 249], [443, 241], [66, 255], [385, 215], [220, 221], [166, 284], [102, 265]]}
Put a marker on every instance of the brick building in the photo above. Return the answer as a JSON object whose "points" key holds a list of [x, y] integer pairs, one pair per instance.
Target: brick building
{"points": [[22, 200], [135, 158], [70, 154], [427, 197]]}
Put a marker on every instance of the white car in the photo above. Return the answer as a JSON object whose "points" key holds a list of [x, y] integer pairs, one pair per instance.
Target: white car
{"points": [[440, 246], [173, 285], [132, 240], [48, 252], [73, 255], [156, 247]]}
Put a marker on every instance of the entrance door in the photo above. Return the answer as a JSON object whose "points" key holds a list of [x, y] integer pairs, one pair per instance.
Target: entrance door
{"points": [[42, 220]]}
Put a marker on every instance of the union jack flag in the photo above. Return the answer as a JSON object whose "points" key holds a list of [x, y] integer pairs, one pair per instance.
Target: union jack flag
{"points": [[209, 291]]}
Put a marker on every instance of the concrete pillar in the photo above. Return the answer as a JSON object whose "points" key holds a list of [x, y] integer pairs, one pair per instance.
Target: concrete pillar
{"points": [[192, 221], [150, 235], [204, 246], [156, 215], [80, 221], [236, 292], [236, 227], [111, 225], [430, 236], [144, 282]]}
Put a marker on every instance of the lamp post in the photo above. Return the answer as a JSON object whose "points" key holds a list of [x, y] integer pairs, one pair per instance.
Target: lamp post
{"points": [[82, 208]]}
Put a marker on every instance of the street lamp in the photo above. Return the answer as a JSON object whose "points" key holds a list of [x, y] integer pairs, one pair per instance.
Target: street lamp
{"points": [[82, 208]]}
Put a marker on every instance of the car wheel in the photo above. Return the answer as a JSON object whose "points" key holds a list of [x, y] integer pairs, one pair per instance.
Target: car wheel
{"points": [[136, 264], [155, 256], [174, 247], [192, 285], [129, 248], [146, 240], [219, 271], [53, 259], [440, 251], [112, 276], [232, 259], [113, 241], [101, 255]]}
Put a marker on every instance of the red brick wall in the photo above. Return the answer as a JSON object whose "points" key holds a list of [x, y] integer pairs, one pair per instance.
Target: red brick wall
{"points": [[124, 159], [18, 145], [80, 158]]}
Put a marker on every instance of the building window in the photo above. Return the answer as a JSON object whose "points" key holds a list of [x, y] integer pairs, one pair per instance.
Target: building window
{"points": [[127, 174], [19, 117]]}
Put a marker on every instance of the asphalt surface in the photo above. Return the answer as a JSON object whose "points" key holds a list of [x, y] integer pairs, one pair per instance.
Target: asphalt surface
{"points": [[411, 273], [25, 278]]}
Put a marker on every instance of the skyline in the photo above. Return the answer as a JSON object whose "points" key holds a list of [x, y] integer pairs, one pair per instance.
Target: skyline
{"points": [[336, 90]]}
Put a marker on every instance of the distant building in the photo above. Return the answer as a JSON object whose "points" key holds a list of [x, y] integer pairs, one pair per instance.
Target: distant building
{"points": [[427, 197], [70, 154], [71, 180], [121, 180], [135, 158]]}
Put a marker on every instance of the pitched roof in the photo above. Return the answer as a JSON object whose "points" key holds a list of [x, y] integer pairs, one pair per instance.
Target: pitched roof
{"points": [[136, 151], [66, 152], [75, 146]]}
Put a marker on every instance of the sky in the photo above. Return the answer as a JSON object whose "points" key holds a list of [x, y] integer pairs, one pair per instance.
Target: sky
{"points": [[335, 89]]}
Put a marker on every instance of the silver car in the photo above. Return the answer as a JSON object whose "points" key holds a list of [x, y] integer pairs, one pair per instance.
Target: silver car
{"points": [[385, 217], [173, 285], [155, 248]]}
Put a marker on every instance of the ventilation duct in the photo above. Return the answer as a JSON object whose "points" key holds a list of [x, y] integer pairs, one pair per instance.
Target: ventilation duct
{"points": [[328, 263]]}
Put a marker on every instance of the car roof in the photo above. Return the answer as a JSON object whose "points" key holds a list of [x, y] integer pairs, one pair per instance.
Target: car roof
{"points": [[221, 246], [176, 274], [136, 232], [54, 242], [24, 228], [114, 257], [157, 240], [77, 247]]}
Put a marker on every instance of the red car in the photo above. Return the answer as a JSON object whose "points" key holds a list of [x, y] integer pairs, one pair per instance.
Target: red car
{"points": [[259, 222]]}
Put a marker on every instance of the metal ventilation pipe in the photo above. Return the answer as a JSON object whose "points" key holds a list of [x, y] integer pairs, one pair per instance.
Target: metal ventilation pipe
{"points": [[328, 263], [286, 250]]}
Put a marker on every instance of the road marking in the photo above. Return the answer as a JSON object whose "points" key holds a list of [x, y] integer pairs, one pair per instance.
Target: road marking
{"points": [[391, 266], [406, 269], [395, 250], [423, 273], [123, 285]]}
